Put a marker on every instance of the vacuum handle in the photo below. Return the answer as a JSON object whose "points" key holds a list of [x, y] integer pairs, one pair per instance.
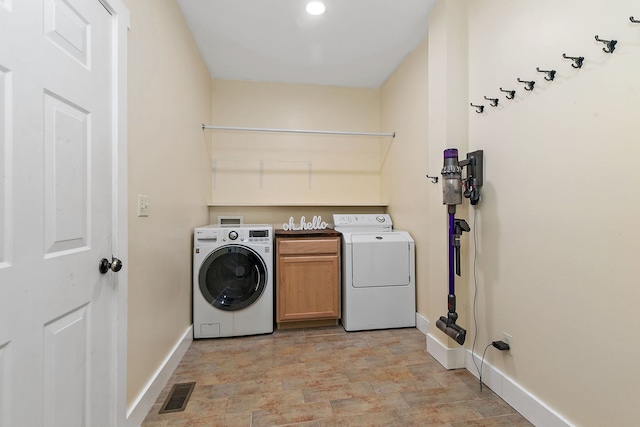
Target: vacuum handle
{"points": [[460, 226]]}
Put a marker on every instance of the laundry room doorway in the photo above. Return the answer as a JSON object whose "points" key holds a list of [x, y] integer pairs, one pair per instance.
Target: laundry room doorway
{"points": [[62, 210]]}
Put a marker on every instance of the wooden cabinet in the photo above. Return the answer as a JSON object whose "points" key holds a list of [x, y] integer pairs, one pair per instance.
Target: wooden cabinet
{"points": [[308, 279]]}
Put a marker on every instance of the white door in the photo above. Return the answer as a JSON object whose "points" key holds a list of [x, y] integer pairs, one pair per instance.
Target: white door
{"points": [[58, 330]]}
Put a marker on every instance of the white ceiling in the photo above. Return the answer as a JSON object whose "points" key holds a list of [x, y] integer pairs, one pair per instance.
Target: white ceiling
{"points": [[356, 43]]}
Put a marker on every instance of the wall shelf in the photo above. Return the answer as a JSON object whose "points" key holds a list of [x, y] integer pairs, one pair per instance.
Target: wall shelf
{"points": [[312, 131], [341, 205]]}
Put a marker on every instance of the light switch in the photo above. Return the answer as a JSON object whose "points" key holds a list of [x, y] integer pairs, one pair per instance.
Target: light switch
{"points": [[143, 205]]}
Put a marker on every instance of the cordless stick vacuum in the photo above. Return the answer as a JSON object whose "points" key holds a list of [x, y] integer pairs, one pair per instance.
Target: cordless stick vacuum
{"points": [[452, 196]]}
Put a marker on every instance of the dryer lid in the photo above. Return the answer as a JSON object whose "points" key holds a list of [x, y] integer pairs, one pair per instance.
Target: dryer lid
{"points": [[381, 259]]}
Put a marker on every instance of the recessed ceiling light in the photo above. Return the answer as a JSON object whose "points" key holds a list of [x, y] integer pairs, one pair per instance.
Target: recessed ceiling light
{"points": [[315, 8]]}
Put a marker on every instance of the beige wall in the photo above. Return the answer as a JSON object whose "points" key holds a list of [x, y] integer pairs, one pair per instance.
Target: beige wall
{"points": [[283, 168], [557, 245], [404, 109], [448, 128], [424, 101], [169, 99]]}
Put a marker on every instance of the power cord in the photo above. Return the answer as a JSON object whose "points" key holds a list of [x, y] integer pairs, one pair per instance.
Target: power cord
{"points": [[500, 345], [475, 296], [482, 363]]}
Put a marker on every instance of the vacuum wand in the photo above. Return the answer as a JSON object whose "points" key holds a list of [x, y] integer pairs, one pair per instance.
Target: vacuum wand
{"points": [[448, 324]]}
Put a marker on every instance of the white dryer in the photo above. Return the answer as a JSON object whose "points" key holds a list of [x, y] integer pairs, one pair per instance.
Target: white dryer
{"points": [[232, 280], [378, 273]]}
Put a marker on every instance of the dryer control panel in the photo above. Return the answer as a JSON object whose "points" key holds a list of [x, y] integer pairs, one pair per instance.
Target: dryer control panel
{"points": [[363, 221]]}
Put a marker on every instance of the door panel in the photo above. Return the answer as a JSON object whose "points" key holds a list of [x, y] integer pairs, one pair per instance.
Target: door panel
{"points": [[5, 166], [66, 164], [68, 29], [67, 369], [5, 384], [6, 226]]}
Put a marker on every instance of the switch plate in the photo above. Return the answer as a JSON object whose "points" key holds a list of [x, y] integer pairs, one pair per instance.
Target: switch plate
{"points": [[143, 205]]}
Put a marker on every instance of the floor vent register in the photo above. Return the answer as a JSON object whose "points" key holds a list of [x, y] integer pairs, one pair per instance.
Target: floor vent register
{"points": [[178, 398]]}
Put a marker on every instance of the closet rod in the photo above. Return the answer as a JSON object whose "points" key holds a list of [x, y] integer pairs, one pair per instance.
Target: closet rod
{"points": [[326, 132]]}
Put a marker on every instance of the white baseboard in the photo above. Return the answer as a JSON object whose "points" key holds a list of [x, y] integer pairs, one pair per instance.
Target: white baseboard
{"points": [[422, 323], [450, 358], [528, 405], [145, 400]]}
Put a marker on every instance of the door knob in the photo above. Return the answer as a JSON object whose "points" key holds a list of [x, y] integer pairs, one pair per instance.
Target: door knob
{"points": [[115, 265]]}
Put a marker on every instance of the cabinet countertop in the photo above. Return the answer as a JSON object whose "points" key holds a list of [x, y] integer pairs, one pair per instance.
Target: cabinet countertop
{"points": [[327, 232]]}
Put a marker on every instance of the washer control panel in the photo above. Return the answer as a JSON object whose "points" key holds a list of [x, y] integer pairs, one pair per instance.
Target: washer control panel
{"points": [[252, 235], [233, 235]]}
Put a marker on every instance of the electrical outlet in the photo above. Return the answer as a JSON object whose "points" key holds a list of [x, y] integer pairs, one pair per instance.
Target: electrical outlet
{"points": [[508, 339]]}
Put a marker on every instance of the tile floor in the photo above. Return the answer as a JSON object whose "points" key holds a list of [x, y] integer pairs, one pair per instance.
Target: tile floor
{"points": [[328, 377]]}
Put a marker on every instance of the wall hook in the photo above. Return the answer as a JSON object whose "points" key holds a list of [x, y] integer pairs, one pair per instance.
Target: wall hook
{"points": [[434, 179], [611, 44], [529, 84], [479, 108], [635, 21], [551, 74], [511, 93], [577, 60], [494, 101]]}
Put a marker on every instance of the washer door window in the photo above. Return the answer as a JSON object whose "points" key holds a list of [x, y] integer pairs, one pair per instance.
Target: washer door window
{"points": [[232, 277]]}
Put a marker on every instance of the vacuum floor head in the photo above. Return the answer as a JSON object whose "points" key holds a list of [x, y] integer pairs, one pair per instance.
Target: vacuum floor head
{"points": [[450, 328]]}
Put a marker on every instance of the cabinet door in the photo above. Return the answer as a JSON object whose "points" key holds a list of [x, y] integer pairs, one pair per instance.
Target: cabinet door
{"points": [[308, 287]]}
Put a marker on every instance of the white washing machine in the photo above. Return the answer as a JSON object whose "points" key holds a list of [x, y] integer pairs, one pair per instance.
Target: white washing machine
{"points": [[378, 273], [232, 280]]}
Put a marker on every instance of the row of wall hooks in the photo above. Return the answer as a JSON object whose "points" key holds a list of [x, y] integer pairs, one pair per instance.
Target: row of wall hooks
{"points": [[578, 61]]}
